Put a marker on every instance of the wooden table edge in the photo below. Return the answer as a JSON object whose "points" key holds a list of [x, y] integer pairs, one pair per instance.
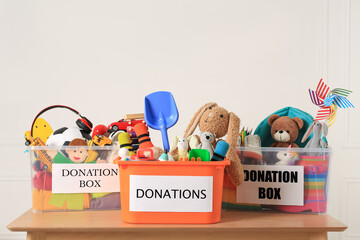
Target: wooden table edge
{"points": [[175, 227]]}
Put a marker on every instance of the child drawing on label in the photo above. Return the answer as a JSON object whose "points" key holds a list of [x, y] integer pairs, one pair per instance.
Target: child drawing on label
{"points": [[78, 153]]}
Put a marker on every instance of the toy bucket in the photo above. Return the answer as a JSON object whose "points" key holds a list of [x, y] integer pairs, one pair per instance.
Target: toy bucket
{"points": [[171, 192]]}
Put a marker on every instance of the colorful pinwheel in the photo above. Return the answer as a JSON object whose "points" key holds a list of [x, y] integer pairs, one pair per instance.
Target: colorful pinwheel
{"points": [[329, 101]]}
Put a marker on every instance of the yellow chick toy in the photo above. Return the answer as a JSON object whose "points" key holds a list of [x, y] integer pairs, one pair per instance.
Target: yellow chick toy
{"points": [[42, 129]]}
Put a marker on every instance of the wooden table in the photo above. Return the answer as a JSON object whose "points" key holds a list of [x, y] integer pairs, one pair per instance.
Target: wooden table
{"points": [[234, 225]]}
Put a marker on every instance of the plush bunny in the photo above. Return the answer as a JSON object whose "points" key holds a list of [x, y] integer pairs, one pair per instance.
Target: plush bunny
{"points": [[317, 128], [181, 145], [206, 139], [217, 120]]}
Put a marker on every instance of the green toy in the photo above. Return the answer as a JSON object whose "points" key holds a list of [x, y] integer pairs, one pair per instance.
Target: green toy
{"points": [[203, 154]]}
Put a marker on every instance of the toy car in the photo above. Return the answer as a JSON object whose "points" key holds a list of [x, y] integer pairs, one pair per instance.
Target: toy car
{"points": [[100, 140], [29, 141], [123, 124]]}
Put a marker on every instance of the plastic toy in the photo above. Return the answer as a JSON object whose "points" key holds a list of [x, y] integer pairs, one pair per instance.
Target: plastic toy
{"points": [[43, 180], [29, 140], [161, 113], [142, 134], [101, 141], [329, 101], [143, 154], [122, 124], [99, 130], [41, 129], [125, 142], [124, 154], [42, 154], [287, 157], [199, 155], [220, 151]]}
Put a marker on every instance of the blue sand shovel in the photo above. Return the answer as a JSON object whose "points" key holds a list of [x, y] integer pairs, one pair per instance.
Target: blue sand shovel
{"points": [[161, 113]]}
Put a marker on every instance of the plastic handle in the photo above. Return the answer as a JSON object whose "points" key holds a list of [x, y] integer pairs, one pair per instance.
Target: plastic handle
{"points": [[164, 138], [163, 131]]}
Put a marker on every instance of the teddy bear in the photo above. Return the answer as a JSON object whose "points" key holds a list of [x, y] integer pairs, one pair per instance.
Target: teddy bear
{"points": [[207, 139], [285, 130], [217, 120]]}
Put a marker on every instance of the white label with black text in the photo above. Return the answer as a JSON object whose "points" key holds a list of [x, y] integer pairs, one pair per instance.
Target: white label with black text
{"points": [[278, 185], [85, 178], [171, 193]]}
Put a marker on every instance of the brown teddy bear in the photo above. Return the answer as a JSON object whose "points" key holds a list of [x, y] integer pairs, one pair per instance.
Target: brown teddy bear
{"points": [[285, 130], [217, 120]]}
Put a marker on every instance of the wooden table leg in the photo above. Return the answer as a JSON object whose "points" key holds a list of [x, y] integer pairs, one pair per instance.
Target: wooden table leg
{"points": [[318, 236], [35, 236]]}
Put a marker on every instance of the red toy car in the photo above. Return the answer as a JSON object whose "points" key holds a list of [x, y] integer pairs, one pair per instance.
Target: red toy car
{"points": [[123, 124]]}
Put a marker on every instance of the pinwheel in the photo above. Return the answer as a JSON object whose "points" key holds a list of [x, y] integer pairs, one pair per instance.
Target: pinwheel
{"points": [[329, 101]]}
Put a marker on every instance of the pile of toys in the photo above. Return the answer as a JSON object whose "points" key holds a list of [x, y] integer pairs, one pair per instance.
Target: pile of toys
{"points": [[220, 137]]}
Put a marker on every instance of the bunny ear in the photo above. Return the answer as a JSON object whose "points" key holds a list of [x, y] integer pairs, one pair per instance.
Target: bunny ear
{"points": [[308, 132], [325, 129], [233, 130], [174, 143], [193, 141], [196, 118]]}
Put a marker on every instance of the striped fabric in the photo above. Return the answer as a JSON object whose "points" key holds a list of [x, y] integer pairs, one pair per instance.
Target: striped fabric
{"points": [[341, 91], [315, 176], [316, 99], [332, 117], [322, 90], [340, 101], [323, 114], [315, 183]]}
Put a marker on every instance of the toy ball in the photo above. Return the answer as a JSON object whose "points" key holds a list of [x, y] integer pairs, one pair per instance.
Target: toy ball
{"points": [[124, 153], [63, 136]]}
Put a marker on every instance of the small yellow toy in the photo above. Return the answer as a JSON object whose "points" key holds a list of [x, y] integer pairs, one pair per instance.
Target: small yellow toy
{"points": [[42, 129], [125, 141]]}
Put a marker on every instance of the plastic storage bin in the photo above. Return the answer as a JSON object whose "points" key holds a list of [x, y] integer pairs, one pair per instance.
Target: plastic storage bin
{"points": [[291, 180], [171, 192], [59, 184]]}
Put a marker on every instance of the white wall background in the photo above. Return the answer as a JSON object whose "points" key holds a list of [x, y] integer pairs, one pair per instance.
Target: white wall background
{"points": [[104, 57]]}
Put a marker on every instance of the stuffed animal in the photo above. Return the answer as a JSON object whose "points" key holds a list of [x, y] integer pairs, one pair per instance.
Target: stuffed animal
{"points": [[319, 130], [180, 146], [285, 130], [206, 139], [217, 120], [287, 157]]}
